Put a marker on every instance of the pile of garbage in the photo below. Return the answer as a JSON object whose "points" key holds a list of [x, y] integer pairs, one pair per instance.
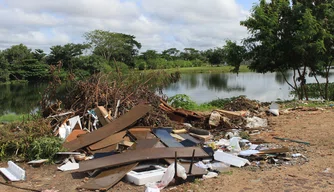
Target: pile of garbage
{"points": [[113, 132]]}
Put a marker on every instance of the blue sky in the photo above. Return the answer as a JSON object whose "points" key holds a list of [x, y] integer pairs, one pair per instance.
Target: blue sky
{"points": [[157, 24]]}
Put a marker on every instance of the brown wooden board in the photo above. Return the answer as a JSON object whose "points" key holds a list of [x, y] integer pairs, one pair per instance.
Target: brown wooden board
{"points": [[140, 155], [118, 125], [103, 115], [108, 178], [105, 150], [111, 140], [141, 134], [144, 144]]}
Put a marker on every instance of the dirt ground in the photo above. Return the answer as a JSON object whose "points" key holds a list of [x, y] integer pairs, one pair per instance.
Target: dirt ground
{"points": [[315, 127]]}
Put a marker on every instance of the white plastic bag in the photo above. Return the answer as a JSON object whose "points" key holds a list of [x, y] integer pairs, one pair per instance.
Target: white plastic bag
{"points": [[234, 145]]}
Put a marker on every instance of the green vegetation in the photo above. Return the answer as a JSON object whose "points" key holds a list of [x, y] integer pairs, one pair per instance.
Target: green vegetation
{"points": [[184, 101], [28, 140], [208, 69], [13, 117]]}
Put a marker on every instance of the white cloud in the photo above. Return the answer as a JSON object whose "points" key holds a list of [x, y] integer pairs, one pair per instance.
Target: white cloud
{"points": [[157, 24]]}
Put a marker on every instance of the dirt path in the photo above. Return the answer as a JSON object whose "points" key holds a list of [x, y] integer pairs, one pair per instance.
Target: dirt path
{"points": [[315, 127]]}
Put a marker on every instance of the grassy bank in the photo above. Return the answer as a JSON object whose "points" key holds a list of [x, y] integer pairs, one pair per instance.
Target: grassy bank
{"points": [[206, 69], [13, 117]]}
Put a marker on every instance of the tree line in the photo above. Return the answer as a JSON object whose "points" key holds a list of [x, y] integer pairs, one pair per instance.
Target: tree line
{"points": [[103, 51]]}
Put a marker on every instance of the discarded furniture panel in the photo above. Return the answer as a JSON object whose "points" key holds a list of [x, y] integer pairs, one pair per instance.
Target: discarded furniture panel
{"points": [[108, 178], [188, 143], [144, 174], [230, 159], [111, 140], [166, 138], [140, 155], [13, 172], [103, 115], [118, 125]]}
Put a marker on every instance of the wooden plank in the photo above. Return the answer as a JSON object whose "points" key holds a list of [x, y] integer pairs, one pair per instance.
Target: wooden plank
{"points": [[178, 131], [176, 136], [109, 178], [111, 140], [273, 151], [203, 138], [166, 138], [105, 150], [144, 144], [103, 115], [140, 155], [141, 134], [118, 125], [75, 133]]}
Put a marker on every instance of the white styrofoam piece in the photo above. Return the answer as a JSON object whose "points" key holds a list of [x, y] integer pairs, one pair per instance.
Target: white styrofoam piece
{"points": [[73, 121], [142, 178], [69, 166], [13, 172], [230, 159]]}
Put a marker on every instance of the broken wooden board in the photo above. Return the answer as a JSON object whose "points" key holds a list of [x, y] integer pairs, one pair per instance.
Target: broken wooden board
{"points": [[105, 150], [232, 114], [143, 144], [140, 155], [75, 133], [141, 133], [166, 138], [103, 115], [111, 140], [178, 131], [176, 136], [273, 151], [118, 125], [203, 138], [109, 178]]}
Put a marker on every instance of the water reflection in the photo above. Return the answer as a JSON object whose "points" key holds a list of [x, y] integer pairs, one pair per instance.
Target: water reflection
{"points": [[263, 87]]}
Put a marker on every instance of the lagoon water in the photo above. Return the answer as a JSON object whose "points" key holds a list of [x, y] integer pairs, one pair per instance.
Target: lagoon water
{"points": [[209, 86], [201, 87]]}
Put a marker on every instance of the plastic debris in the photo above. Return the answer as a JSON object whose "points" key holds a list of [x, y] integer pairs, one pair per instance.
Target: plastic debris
{"points": [[13, 172], [210, 175], [256, 122], [230, 159], [274, 109], [214, 119]]}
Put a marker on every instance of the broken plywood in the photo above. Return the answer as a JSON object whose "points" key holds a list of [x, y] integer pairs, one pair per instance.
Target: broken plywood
{"points": [[109, 178], [103, 115], [118, 125], [166, 138], [111, 140], [140, 155]]}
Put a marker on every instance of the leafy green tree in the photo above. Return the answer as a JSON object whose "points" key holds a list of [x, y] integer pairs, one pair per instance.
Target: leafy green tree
{"points": [[149, 54], [4, 72], [286, 35], [39, 54], [66, 54], [171, 54], [234, 54], [110, 46], [17, 53], [215, 56]]}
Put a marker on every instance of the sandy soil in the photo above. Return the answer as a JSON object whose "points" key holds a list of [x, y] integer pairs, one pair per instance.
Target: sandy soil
{"points": [[315, 127]]}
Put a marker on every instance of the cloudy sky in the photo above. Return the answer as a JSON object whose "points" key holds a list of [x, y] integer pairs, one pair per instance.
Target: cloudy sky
{"points": [[157, 24]]}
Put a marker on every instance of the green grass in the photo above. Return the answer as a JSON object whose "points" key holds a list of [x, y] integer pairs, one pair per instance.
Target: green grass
{"points": [[205, 69], [297, 103], [13, 117]]}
